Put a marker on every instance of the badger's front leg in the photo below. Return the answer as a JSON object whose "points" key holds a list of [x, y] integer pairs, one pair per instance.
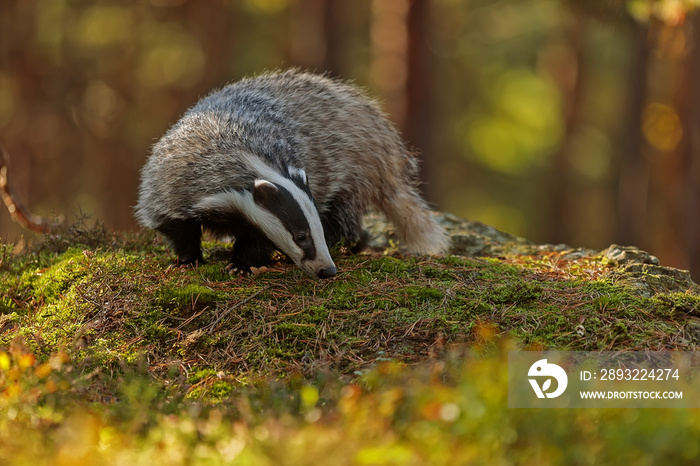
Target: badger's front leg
{"points": [[250, 251], [185, 236]]}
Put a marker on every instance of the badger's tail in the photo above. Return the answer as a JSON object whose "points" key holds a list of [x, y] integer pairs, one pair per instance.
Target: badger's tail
{"points": [[415, 225]]}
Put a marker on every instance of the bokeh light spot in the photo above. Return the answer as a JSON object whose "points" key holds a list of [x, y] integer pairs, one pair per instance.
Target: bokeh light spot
{"points": [[522, 126], [172, 58], [662, 126]]}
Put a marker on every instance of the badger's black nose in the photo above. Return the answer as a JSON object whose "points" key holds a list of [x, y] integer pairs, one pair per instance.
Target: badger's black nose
{"points": [[327, 272]]}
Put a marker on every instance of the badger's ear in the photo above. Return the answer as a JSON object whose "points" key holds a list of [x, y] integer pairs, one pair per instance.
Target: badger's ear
{"points": [[298, 174], [264, 192]]}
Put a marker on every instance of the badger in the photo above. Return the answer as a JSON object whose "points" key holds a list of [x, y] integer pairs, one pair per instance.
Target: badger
{"points": [[286, 161]]}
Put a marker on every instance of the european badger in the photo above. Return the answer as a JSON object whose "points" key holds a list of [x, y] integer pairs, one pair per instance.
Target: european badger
{"points": [[287, 161]]}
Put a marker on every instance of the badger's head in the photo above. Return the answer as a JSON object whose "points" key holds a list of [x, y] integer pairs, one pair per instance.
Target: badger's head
{"points": [[289, 218], [283, 208]]}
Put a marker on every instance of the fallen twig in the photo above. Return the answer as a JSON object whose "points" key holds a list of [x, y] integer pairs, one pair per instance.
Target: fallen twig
{"points": [[19, 214]]}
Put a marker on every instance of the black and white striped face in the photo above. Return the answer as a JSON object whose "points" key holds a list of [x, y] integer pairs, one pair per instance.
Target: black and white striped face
{"points": [[291, 222], [283, 209]]}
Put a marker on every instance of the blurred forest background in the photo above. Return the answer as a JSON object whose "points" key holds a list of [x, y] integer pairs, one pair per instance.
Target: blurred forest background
{"points": [[562, 121]]}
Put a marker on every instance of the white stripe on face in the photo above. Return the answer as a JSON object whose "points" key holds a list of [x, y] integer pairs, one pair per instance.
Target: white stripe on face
{"points": [[307, 206], [299, 173], [270, 224]]}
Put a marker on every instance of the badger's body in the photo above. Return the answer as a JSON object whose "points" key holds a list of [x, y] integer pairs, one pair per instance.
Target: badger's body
{"points": [[287, 161]]}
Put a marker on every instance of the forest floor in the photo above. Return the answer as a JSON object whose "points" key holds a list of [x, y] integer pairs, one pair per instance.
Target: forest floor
{"points": [[111, 355]]}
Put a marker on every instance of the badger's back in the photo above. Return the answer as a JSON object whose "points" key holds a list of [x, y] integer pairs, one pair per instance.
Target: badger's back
{"points": [[346, 140]]}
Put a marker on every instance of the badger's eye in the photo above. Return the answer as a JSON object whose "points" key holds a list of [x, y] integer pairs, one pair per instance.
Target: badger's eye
{"points": [[301, 237]]}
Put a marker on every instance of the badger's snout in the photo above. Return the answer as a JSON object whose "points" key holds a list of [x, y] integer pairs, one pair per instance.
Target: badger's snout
{"points": [[320, 267], [326, 272]]}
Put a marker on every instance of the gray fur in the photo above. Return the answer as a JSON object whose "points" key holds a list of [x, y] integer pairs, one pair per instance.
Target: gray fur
{"points": [[352, 155]]}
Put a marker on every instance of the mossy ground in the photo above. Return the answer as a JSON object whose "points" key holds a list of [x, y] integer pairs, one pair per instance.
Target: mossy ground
{"points": [[147, 347]]}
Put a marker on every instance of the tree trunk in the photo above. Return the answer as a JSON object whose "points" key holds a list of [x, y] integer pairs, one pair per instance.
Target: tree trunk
{"points": [[633, 181], [420, 79], [692, 148]]}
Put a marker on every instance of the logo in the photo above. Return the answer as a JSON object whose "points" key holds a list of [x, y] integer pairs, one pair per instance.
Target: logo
{"points": [[543, 369]]}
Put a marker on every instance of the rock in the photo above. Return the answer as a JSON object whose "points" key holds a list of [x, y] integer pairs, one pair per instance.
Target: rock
{"points": [[468, 238], [642, 271], [622, 255], [692, 328]]}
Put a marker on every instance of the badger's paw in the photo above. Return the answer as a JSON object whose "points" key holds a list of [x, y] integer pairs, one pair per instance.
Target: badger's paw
{"points": [[232, 269], [241, 271], [250, 257]]}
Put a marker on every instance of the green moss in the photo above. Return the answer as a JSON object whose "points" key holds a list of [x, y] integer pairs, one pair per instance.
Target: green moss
{"points": [[215, 272], [315, 314], [189, 295], [341, 295], [115, 304], [456, 261], [209, 384], [423, 293], [50, 283], [8, 305], [518, 292], [390, 266], [683, 303], [286, 334], [438, 274]]}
